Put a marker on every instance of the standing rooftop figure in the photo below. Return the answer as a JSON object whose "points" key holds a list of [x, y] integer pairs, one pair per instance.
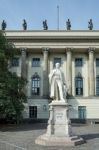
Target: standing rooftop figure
{"points": [[24, 25], [45, 26], [3, 25], [68, 24], [90, 24]]}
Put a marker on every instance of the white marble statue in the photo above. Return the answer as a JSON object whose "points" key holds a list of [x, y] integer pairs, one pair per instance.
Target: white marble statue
{"points": [[58, 89]]}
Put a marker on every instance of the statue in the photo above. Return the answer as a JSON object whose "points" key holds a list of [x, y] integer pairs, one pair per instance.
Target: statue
{"points": [[58, 85], [24, 25], [45, 26], [59, 130], [68, 25], [90, 24], [3, 25]]}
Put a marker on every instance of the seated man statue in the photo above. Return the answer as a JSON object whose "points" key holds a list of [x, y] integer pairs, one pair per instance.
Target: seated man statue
{"points": [[57, 82]]}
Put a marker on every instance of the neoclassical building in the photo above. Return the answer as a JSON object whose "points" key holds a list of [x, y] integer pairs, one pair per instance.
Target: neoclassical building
{"points": [[78, 54]]}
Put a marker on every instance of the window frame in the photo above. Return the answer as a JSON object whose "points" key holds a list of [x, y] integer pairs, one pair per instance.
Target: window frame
{"points": [[35, 85], [82, 112], [97, 62], [97, 90], [78, 63], [79, 88], [32, 112], [36, 62], [17, 63]]}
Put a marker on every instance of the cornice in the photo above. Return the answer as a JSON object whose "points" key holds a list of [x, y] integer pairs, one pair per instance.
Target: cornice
{"points": [[52, 34]]}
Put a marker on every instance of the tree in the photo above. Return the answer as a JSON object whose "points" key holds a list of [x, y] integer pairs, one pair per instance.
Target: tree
{"points": [[12, 95]]}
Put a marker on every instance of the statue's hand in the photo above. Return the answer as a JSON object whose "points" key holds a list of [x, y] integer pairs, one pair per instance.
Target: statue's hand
{"points": [[49, 80]]}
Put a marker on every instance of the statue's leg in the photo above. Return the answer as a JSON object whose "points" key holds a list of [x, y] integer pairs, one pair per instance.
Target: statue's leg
{"points": [[52, 89], [60, 90], [56, 91]]}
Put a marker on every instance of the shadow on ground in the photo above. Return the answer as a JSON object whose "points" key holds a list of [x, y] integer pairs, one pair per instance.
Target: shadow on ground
{"points": [[90, 136], [22, 127], [28, 127], [41, 126]]}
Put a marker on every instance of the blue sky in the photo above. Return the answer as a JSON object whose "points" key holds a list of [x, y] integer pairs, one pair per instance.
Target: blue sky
{"points": [[35, 11]]}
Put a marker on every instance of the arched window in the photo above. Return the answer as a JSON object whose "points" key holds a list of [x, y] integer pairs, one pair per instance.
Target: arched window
{"points": [[36, 84], [79, 85], [97, 85]]}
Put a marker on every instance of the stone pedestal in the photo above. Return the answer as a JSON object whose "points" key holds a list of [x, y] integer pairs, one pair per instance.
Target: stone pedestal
{"points": [[59, 131]]}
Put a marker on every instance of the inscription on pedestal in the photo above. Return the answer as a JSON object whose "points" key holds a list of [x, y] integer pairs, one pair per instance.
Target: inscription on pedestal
{"points": [[59, 117]]}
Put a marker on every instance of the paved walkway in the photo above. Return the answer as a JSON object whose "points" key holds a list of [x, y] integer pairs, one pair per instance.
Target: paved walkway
{"points": [[23, 137]]}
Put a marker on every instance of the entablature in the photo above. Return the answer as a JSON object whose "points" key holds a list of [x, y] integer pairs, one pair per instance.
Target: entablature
{"points": [[78, 40], [52, 34]]}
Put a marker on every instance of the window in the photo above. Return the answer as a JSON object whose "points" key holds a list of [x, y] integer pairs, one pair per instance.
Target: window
{"points": [[82, 112], [97, 62], [36, 62], [57, 60], [15, 62], [33, 111], [78, 62], [79, 85], [97, 85], [35, 85]]}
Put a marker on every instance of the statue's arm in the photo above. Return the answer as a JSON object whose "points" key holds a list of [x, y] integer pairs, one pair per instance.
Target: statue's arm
{"points": [[64, 82], [51, 76], [63, 78]]}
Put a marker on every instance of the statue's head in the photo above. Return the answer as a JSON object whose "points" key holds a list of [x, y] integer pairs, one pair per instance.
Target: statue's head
{"points": [[57, 65]]}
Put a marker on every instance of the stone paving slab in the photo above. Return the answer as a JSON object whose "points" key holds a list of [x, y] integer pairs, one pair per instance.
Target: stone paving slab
{"points": [[23, 137]]}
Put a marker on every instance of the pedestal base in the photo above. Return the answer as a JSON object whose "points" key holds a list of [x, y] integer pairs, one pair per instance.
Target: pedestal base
{"points": [[59, 131], [58, 141]]}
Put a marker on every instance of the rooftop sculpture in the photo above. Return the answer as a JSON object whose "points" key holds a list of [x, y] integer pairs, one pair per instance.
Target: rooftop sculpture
{"points": [[3, 25], [24, 25], [45, 26], [68, 24], [90, 24]]}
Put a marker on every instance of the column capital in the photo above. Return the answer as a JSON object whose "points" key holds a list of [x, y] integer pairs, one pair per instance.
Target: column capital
{"points": [[68, 49], [45, 49], [91, 49], [23, 50]]}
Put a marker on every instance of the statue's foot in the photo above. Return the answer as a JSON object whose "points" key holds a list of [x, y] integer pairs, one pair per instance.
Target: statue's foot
{"points": [[52, 97], [63, 100]]}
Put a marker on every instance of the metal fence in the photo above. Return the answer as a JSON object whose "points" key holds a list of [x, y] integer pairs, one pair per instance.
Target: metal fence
{"points": [[8, 146]]}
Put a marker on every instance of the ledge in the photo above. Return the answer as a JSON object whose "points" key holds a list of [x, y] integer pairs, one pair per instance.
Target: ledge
{"points": [[81, 97], [52, 34]]}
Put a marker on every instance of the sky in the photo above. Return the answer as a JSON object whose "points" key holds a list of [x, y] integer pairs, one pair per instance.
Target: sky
{"points": [[35, 11]]}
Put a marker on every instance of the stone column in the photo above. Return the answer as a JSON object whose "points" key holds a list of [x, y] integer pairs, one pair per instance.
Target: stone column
{"points": [[45, 73], [69, 70], [91, 72], [23, 63]]}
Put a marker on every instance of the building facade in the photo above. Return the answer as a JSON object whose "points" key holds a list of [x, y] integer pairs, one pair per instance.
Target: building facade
{"points": [[78, 54]]}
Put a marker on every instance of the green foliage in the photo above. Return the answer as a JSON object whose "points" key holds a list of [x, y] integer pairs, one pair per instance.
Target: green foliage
{"points": [[12, 95]]}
